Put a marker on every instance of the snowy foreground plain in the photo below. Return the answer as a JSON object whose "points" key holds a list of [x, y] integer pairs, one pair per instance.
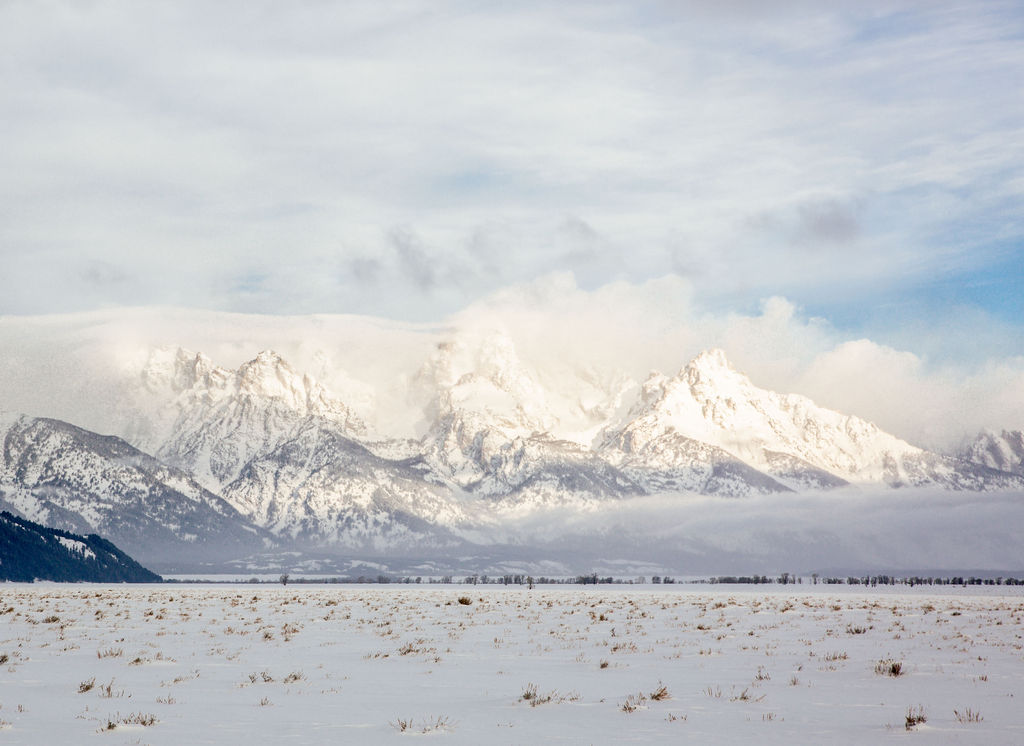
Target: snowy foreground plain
{"points": [[184, 664]]}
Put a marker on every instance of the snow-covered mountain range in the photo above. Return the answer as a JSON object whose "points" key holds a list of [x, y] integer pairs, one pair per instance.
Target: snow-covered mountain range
{"points": [[710, 413], [264, 455], [65, 477]]}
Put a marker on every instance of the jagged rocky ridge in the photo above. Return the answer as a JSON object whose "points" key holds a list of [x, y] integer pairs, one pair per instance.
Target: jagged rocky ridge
{"points": [[262, 454]]}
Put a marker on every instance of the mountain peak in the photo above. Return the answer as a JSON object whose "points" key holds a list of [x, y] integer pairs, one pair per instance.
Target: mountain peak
{"points": [[714, 356], [266, 363], [711, 402], [176, 368], [270, 375], [467, 355], [710, 360], [711, 366], [267, 357]]}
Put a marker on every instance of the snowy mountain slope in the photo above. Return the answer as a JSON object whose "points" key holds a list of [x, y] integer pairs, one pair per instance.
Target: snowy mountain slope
{"points": [[928, 469], [527, 473], [797, 474], [212, 421], [673, 462], [786, 436], [1003, 451], [322, 488], [66, 477]]}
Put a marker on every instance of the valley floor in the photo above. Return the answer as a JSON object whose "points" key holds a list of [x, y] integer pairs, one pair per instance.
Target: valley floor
{"points": [[181, 664]]}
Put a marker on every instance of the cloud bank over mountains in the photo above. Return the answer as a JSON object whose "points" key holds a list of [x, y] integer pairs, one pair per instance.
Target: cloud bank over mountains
{"points": [[571, 340]]}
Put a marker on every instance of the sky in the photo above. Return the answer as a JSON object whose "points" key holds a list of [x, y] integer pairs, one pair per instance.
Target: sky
{"points": [[404, 159], [828, 190]]}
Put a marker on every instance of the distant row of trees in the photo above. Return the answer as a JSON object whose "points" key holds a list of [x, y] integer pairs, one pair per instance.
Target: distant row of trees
{"points": [[518, 579], [595, 579], [498, 580], [869, 580]]}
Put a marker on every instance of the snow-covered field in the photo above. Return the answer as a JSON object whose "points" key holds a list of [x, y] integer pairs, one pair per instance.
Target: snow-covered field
{"points": [[367, 664]]}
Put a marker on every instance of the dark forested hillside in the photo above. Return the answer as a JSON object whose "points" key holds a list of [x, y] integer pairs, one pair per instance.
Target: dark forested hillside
{"points": [[30, 551]]}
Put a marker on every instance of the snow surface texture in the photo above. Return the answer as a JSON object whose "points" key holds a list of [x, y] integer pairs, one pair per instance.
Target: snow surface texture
{"points": [[310, 665]]}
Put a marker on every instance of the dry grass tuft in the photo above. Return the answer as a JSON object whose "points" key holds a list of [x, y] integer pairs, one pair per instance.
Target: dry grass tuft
{"points": [[968, 716], [889, 667], [915, 717], [633, 702], [144, 719], [439, 724], [107, 691], [534, 697]]}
